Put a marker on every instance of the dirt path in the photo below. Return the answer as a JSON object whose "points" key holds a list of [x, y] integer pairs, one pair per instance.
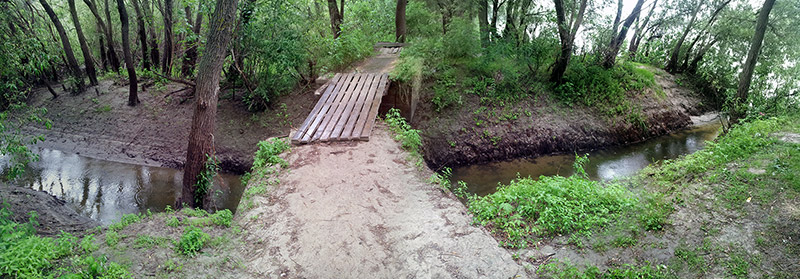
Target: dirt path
{"points": [[360, 210]]}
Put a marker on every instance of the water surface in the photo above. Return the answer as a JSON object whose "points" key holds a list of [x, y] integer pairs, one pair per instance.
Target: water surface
{"points": [[105, 190], [604, 164]]}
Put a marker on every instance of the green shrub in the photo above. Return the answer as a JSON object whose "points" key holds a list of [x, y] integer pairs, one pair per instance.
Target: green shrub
{"points": [[222, 218], [445, 93], [461, 39], [192, 240], [549, 206], [408, 137]]}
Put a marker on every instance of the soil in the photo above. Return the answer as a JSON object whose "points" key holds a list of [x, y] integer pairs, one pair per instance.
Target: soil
{"points": [[360, 209], [473, 133], [99, 124], [54, 215]]}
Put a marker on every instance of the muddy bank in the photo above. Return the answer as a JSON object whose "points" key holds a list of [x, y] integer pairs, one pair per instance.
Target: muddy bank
{"points": [[99, 124], [473, 133], [54, 215]]}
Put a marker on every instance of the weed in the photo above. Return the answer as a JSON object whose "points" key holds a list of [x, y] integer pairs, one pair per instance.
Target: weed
{"points": [[624, 241], [205, 179], [409, 138], [112, 238], [173, 222], [126, 220], [147, 242], [192, 240], [738, 266]]}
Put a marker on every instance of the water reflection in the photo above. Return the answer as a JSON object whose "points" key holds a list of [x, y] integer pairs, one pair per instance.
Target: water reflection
{"points": [[604, 164], [105, 190]]}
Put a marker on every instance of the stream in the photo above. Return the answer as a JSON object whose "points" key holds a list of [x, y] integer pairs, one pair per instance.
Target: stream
{"points": [[105, 190], [606, 164]]}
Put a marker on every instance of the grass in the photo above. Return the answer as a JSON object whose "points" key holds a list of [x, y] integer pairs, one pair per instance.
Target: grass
{"points": [[266, 163], [192, 240], [408, 137]]}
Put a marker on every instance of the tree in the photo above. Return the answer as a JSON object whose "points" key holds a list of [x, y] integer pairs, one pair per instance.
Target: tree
{"points": [[141, 32], [616, 42], [745, 78], [88, 61], [190, 55], [400, 21], [72, 63], [166, 60], [112, 53], [637, 36], [337, 16], [148, 12], [201, 137], [702, 34], [672, 65], [133, 98], [108, 53], [566, 34], [483, 22]]}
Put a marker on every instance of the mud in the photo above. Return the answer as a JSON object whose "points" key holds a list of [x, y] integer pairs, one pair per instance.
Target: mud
{"points": [[53, 214], [360, 209], [453, 138], [100, 125]]}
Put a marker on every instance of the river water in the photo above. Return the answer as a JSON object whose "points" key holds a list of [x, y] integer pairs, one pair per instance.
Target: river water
{"points": [[105, 190], [607, 164]]}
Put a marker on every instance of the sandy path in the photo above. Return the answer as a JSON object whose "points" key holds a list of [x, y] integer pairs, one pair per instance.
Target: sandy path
{"points": [[360, 210]]}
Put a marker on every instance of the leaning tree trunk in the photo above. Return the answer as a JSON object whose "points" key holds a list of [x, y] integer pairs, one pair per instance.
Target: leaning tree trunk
{"points": [[613, 49], [337, 16], [201, 137], [104, 48], [400, 21], [133, 98], [672, 65], [166, 60], [746, 77], [72, 63], [699, 57], [112, 52], [88, 61], [142, 33], [637, 36]]}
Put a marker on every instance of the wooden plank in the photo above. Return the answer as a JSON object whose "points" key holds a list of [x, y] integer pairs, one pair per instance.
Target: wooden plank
{"points": [[330, 83], [311, 116], [332, 94], [338, 81], [373, 111], [354, 109], [335, 112], [334, 129], [364, 111]]}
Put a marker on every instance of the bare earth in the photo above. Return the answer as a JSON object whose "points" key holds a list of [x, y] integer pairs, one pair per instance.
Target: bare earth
{"points": [[361, 210]]}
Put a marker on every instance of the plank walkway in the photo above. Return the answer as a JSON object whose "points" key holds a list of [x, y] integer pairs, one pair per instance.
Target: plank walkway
{"points": [[347, 109]]}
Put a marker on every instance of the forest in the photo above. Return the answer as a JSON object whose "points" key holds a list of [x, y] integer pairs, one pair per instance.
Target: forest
{"points": [[496, 80]]}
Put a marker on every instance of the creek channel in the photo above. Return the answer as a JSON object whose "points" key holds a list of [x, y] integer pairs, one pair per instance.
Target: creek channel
{"points": [[105, 190], [606, 164]]}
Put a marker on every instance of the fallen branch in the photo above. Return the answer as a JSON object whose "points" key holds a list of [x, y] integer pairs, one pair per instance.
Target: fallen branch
{"points": [[183, 81]]}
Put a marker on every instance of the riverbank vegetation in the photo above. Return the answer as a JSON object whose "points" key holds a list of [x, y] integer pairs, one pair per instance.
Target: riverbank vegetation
{"points": [[721, 211]]}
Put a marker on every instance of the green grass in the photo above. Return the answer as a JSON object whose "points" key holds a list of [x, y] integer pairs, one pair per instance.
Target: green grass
{"points": [[554, 205], [565, 270], [192, 240], [408, 137]]}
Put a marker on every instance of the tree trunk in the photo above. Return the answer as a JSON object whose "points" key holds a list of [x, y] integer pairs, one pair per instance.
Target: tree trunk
{"points": [[483, 22], [142, 33], [112, 52], [166, 60], [190, 55], [566, 34], [672, 65], [148, 11], [511, 20], [637, 36], [699, 57], [337, 17], [103, 53], [201, 137], [746, 77], [101, 25], [613, 49], [493, 25], [88, 61], [615, 27], [400, 21], [701, 35], [133, 98], [72, 63]]}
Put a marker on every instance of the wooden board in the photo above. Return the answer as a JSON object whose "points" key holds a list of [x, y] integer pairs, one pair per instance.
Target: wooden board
{"points": [[346, 109]]}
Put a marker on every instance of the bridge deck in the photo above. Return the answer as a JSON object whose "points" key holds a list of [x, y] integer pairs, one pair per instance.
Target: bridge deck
{"points": [[346, 110]]}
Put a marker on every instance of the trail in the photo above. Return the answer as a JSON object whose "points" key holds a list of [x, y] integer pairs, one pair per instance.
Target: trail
{"points": [[361, 210]]}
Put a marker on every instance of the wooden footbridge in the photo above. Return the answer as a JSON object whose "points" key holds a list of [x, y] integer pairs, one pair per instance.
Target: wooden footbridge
{"points": [[349, 102], [347, 109]]}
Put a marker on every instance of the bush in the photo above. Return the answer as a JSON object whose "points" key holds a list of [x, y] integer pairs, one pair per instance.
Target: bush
{"points": [[461, 39], [192, 240]]}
